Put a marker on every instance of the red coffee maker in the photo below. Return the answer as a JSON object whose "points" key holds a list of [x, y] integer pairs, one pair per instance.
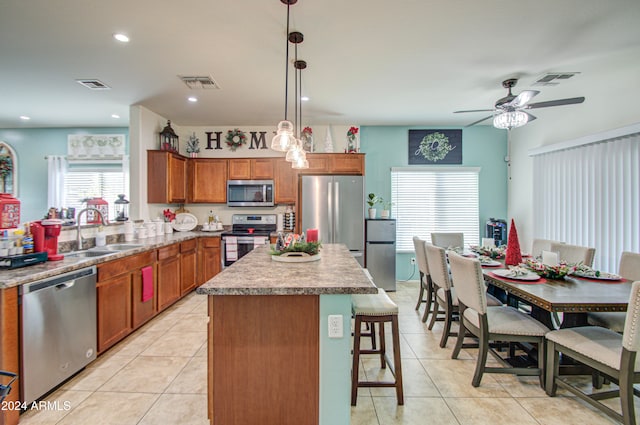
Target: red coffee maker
{"points": [[47, 240]]}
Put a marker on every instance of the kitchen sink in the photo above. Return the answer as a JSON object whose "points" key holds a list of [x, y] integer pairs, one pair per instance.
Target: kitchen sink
{"points": [[116, 247], [86, 254]]}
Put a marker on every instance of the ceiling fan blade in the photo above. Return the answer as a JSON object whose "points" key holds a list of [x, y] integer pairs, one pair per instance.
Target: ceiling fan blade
{"points": [[479, 121], [523, 98], [558, 102], [473, 110], [531, 117]]}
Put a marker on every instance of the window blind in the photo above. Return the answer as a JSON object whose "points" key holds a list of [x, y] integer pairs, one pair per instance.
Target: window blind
{"points": [[434, 200], [590, 196]]}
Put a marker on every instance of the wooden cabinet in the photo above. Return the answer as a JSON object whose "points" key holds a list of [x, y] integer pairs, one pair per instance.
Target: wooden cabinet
{"points": [[166, 177], [286, 182], [169, 276], [208, 180], [188, 260], [251, 168], [335, 163], [114, 310], [119, 297], [209, 260]]}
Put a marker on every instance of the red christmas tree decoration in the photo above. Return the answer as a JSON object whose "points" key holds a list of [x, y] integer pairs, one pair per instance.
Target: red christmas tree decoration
{"points": [[513, 257]]}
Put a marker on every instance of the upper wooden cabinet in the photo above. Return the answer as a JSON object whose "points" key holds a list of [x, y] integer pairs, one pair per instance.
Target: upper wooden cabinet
{"points": [[251, 169], [286, 182], [208, 180], [335, 163], [166, 177]]}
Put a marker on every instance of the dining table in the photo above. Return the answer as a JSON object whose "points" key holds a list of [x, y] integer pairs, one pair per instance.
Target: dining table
{"points": [[571, 295]]}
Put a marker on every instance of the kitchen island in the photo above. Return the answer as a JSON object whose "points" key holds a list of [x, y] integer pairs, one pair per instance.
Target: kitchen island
{"points": [[270, 359]]}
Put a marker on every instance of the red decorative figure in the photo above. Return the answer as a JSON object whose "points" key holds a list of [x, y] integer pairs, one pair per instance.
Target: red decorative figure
{"points": [[513, 256]]}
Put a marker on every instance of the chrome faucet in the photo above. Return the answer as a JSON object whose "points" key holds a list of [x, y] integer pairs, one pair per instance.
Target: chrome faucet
{"points": [[79, 236]]}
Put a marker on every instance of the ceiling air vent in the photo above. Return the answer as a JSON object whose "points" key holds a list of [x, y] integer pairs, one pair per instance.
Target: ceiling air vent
{"points": [[199, 83], [94, 84], [554, 78]]}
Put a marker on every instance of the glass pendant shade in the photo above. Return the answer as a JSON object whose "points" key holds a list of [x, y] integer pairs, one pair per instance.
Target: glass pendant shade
{"points": [[510, 119], [284, 139], [301, 163], [295, 152]]}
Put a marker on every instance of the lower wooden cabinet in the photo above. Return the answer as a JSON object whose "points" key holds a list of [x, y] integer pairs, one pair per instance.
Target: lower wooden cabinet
{"points": [[188, 260], [209, 261], [119, 297], [168, 275]]}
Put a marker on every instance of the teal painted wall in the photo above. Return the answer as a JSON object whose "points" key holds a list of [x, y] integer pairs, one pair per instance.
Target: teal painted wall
{"points": [[335, 362], [31, 146], [482, 146]]}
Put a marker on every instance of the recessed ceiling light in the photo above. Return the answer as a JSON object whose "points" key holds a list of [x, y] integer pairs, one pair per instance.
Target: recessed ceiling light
{"points": [[115, 116], [24, 118], [304, 98], [121, 37], [192, 99]]}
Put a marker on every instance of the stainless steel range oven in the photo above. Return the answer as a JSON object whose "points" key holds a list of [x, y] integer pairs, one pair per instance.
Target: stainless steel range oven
{"points": [[247, 232]]}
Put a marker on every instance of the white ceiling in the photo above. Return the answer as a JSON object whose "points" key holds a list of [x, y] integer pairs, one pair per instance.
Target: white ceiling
{"points": [[370, 62]]}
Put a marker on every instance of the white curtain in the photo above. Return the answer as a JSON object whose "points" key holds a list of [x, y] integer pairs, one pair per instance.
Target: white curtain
{"points": [[590, 195], [57, 168]]}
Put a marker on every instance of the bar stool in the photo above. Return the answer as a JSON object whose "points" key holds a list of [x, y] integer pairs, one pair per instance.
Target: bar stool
{"points": [[372, 309]]}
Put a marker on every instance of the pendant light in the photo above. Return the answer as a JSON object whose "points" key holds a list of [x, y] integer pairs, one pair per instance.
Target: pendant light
{"points": [[295, 153], [284, 137], [300, 161]]}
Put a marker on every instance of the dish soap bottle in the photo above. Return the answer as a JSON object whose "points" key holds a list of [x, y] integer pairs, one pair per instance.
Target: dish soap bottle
{"points": [[101, 237]]}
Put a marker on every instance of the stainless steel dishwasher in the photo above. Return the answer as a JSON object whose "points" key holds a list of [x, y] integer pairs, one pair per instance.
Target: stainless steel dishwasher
{"points": [[59, 333]]}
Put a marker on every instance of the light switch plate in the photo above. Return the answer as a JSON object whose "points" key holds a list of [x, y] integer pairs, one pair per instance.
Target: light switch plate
{"points": [[336, 326]]}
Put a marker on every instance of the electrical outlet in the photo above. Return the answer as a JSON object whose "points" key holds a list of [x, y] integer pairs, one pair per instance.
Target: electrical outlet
{"points": [[413, 260], [335, 326]]}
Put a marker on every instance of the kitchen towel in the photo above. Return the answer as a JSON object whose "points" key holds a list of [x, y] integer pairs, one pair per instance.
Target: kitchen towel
{"points": [[147, 283], [231, 248]]}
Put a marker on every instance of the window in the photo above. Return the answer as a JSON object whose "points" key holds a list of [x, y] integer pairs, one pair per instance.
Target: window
{"points": [[589, 195], [434, 200], [80, 180]]}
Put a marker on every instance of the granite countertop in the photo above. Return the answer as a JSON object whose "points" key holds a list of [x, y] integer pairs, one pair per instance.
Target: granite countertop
{"points": [[337, 272], [16, 277]]}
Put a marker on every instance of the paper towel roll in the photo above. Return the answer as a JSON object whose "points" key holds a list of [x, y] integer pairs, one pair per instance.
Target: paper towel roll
{"points": [[280, 222]]}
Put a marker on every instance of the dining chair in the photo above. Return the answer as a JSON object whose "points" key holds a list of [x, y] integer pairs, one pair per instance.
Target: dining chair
{"points": [[574, 253], [540, 245], [629, 268], [445, 293], [606, 351], [497, 324], [447, 240], [425, 277]]}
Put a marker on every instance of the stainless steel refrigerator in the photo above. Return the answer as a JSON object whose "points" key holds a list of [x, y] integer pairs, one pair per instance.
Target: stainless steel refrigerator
{"points": [[381, 252], [335, 206]]}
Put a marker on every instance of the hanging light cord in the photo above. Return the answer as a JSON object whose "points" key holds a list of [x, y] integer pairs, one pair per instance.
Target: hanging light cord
{"points": [[286, 69], [297, 71]]}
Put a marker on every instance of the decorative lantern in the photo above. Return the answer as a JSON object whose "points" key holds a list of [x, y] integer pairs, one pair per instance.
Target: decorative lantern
{"points": [[122, 208], [100, 205], [169, 139]]}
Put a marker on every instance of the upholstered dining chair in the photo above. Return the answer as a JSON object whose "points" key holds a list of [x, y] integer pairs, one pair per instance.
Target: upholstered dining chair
{"points": [[498, 324], [445, 293], [540, 245], [574, 253], [629, 268], [607, 352], [425, 278], [447, 240]]}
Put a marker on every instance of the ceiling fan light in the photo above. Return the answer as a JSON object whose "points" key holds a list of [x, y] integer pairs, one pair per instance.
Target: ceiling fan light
{"points": [[284, 139], [510, 119]]}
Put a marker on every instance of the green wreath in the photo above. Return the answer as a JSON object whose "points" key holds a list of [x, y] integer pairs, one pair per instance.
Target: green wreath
{"points": [[435, 147], [235, 138]]}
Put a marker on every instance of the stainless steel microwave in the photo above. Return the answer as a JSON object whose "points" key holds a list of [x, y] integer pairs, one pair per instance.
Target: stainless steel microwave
{"points": [[250, 193]]}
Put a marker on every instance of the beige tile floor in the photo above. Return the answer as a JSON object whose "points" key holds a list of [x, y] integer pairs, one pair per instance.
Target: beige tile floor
{"points": [[158, 376]]}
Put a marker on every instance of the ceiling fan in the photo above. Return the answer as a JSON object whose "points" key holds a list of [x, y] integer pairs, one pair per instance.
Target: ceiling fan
{"points": [[510, 111]]}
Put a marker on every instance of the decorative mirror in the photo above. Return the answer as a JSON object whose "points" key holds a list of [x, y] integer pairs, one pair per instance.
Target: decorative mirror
{"points": [[8, 170]]}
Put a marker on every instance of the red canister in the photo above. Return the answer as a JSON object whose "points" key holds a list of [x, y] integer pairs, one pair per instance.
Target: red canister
{"points": [[9, 211]]}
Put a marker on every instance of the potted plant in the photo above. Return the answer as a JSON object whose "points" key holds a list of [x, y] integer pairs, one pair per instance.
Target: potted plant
{"points": [[372, 200], [386, 207]]}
